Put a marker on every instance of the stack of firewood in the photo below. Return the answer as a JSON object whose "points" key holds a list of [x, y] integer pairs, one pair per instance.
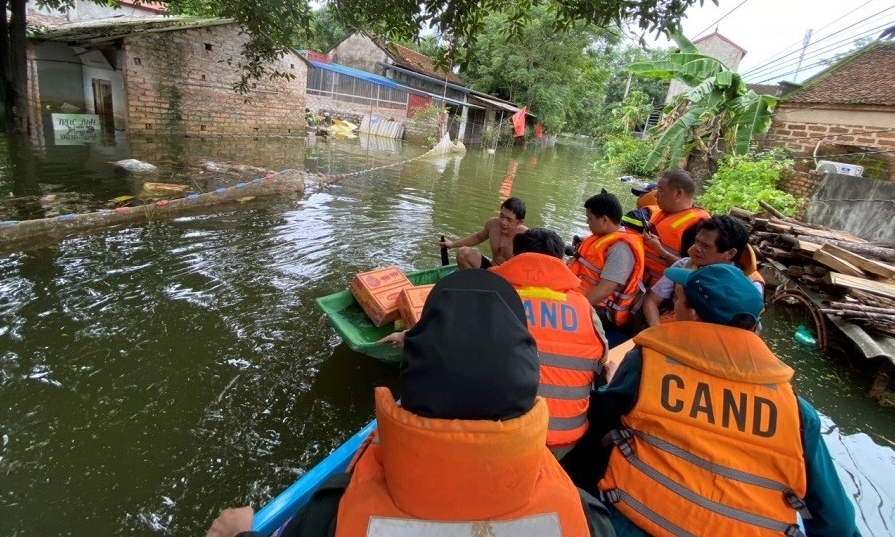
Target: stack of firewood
{"points": [[854, 278]]}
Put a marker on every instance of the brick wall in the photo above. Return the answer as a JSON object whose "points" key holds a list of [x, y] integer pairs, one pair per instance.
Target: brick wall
{"points": [[180, 83], [802, 137]]}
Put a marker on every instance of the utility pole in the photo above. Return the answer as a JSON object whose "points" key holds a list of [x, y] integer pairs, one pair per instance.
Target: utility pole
{"points": [[802, 55]]}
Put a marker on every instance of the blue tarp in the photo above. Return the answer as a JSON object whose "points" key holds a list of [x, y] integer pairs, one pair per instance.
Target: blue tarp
{"points": [[357, 73]]}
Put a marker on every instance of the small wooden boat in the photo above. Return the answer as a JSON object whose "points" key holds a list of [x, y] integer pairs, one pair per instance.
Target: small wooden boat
{"points": [[355, 328]]}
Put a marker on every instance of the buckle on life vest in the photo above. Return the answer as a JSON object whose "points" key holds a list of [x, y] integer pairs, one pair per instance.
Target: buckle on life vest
{"points": [[798, 504], [794, 531], [621, 439], [611, 496]]}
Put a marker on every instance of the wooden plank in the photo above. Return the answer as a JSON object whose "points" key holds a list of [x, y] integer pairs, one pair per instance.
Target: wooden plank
{"points": [[804, 229], [877, 288], [868, 265], [825, 258], [806, 246]]}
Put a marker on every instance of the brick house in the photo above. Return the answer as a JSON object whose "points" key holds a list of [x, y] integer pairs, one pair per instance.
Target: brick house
{"points": [[845, 113], [159, 76], [410, 81]]}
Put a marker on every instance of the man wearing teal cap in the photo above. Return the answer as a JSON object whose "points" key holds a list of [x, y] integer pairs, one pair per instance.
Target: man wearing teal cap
{"points": [[700, 433]]}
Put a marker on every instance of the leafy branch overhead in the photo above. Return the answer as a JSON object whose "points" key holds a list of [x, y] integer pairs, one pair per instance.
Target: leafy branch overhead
{"points": [[718, 114], [274, 26]]}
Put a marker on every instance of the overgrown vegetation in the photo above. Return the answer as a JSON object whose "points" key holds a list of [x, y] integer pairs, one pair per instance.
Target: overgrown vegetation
{"points": [[743, 180], [623, 152]]}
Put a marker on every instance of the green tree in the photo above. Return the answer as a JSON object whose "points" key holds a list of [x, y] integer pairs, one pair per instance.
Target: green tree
{"points": [[273, 26], [326, 31], [552, 72], [719, 108]]}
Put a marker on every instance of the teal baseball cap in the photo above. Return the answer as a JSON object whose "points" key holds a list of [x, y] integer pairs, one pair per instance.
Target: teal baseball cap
{"points": [[718, 293]]}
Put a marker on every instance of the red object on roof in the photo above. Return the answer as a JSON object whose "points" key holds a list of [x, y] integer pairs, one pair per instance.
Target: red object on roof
{"points": [[155, 7]]}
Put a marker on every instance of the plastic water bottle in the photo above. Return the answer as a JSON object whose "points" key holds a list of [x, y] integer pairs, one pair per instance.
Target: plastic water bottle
{"points": [[803, 336]]}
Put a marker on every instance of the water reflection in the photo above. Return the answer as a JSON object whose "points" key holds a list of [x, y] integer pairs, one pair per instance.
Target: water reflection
{"points": [[151, 375]]}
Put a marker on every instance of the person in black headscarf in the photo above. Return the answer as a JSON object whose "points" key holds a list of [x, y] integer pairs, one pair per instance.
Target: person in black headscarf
{"points": [[466, 446]]}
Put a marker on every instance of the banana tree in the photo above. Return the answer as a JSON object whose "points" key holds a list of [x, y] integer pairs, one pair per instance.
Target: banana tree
{"points": [[718, 108]]}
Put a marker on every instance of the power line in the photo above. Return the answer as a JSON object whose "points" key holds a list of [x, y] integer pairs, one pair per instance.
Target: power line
{"points": [[768, 64], [721, 19], [765, 62], [774, 73]]}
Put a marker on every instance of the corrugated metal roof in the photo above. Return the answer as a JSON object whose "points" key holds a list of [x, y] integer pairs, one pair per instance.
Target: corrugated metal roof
{"points": [[493, 101], [384, 81], [108, 29]]}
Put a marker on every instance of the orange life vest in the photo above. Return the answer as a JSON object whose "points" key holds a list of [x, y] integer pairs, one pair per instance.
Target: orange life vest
{"points": [[569, 347], [713, 439], [589, 261], [423, 476], [670, 228]]}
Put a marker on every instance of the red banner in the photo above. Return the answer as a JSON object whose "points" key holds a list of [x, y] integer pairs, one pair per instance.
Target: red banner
{"points": [[519, 122]]}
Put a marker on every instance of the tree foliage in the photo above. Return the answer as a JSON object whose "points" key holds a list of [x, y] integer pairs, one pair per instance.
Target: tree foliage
{"points": [[718, 107], [326, 31], [553, 73], [274, 26]]}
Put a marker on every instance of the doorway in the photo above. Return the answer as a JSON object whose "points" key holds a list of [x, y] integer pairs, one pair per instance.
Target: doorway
{"points": [[102, 103]]}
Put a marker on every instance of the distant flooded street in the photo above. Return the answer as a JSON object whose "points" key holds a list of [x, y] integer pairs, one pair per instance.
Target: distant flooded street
{"points": [[152, 375]]}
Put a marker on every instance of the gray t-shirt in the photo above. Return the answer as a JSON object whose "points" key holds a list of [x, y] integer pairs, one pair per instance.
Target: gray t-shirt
{"points": [[619, 263]]}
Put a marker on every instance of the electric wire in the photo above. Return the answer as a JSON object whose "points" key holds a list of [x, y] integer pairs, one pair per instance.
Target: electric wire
{"points": [[763, 69], [817, 52], [721, 19], [800, 41]]}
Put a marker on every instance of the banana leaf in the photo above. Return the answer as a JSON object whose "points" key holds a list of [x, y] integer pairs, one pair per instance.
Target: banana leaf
{"points": [[675, 137], [690, 69], [751, 117]]}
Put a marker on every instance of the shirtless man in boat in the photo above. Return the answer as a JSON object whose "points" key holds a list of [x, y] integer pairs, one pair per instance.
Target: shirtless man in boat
{"points": [[499, 230]]}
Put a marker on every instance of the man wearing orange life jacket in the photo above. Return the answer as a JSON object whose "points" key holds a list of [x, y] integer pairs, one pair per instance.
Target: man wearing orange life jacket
{"points": [[720, 239], [465, 449], [610, 264], [672, 229], [701, 431], [565, 328]]}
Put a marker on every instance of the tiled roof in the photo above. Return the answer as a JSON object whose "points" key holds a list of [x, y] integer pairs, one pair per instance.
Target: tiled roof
{"points": [[867, 77], [410, 59]]}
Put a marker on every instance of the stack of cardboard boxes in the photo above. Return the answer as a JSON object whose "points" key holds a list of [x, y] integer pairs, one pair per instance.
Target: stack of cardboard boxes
{"points": [[386, 294]]}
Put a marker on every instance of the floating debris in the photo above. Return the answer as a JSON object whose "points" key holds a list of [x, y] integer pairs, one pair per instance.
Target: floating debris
{"points": [[134, 165]]}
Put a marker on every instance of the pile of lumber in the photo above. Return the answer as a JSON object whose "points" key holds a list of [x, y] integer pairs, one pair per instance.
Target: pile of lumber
{"points": [[854, 278]]}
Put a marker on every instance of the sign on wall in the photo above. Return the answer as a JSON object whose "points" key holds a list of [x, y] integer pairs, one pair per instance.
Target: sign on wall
{"points": [[73, 129]]}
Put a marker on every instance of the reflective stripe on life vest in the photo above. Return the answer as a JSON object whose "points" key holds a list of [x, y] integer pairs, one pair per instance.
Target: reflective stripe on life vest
{"points": [[588, 264], [670, 229], [713, 440], [569, 346]]}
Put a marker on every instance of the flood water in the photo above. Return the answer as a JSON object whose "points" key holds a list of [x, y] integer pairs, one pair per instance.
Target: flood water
{"points": [[152, 375]]}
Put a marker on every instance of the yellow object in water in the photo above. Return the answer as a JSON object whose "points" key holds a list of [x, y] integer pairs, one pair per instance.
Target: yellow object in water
{"points": [[122, 199], [347, 124], [344, 135], [154, 190]]}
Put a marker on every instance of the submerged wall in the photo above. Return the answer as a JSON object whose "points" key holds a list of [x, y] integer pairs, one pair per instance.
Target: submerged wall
{"points": [[860, 206]]}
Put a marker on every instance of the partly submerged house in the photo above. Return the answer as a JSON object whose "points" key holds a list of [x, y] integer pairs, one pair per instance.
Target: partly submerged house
{"points": [[843, 113], [370, 75], [156, 76]]}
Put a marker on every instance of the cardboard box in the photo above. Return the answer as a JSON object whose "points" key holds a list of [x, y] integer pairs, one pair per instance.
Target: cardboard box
{"points": [[377, 293], [410, 303]]}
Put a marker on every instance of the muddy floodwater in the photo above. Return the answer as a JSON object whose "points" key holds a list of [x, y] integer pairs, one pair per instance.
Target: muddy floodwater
{"points": [[152, 375]]}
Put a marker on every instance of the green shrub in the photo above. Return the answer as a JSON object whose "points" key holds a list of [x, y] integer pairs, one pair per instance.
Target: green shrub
{"points": [[625, 155], [743, 181]]}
